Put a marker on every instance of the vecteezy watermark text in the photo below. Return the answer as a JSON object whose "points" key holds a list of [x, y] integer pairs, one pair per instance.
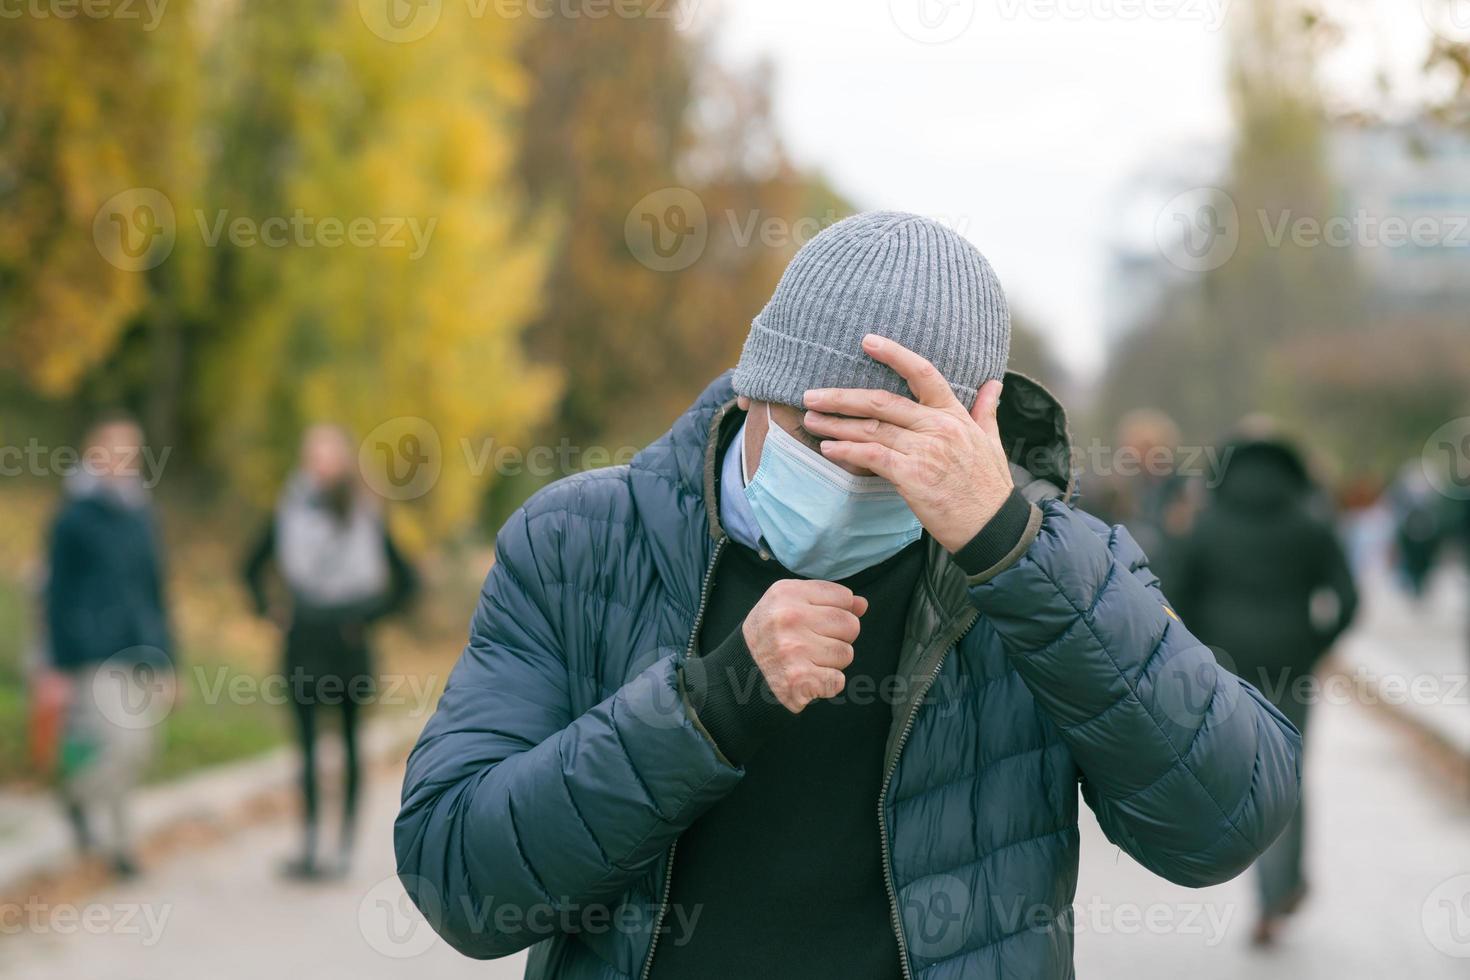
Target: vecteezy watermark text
{"points": [[35, 458], [144, 920], [150, 12]]}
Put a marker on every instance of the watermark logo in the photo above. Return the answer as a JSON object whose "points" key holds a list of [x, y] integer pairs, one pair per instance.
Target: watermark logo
{"points": [[148, 11], [1362, 229], [301, 230], [402, 458], [936, 915], [1446, 459], [1194, 683], [132, 690], [1198, 230], [392, 924], [144, 922], [400, 21], [651, 699], [35, 458], [932, 21], [1446, 917], [667, 229], [135, 230], [1450, 19]]}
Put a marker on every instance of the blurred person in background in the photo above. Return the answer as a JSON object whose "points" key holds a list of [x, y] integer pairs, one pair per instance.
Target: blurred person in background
{"points": [[329, 543], [107, 637], [1419, 525], [826, 591], [1265, 580], [1143, 490]]}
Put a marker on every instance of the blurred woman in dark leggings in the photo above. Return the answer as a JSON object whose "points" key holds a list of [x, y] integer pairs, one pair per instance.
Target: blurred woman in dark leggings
{"points": [[1264, 581], [330, 546]]}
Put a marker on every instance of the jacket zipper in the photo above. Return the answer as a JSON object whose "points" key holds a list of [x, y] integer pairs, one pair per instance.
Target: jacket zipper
{"points": [[889, 770], [663, 902]]}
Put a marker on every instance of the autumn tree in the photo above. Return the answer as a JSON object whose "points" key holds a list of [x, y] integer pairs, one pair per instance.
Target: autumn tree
{"points": [[98, 154], [680, 208], [399, 308]]}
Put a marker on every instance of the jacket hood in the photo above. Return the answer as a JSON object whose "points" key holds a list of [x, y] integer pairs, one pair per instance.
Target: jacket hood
{"points": [[1262, 474]]}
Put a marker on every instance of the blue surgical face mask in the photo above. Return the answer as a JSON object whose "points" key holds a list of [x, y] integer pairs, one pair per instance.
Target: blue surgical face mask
{"points": [[818, 519]]}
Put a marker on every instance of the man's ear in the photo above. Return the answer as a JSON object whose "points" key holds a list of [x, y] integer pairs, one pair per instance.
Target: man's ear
{"points": [[743, 402]]}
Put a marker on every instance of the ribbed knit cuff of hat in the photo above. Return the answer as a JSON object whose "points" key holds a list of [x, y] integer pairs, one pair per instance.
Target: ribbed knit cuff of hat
{"points": [[906, 277], [730, 698], [999, 544]]}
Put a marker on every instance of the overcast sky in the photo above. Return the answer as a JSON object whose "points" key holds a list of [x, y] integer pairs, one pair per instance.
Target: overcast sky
{"points": [[1016, 121]]}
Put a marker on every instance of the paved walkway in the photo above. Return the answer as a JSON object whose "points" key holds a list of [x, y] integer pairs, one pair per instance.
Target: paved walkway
{"points": [[1385, 836], [35, 840], [1414, 656], [1389, 865], [224, 913]]}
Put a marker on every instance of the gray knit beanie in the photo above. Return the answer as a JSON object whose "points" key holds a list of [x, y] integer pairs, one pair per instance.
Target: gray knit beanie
{"points": [[886, 272]]}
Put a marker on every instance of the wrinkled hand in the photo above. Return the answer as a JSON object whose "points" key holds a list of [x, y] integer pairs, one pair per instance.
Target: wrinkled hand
{"points": [[946, 462], [800, 635]]}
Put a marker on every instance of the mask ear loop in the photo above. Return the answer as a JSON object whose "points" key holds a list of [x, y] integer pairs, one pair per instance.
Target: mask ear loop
{"points": [[820, 466], [745, 473]]}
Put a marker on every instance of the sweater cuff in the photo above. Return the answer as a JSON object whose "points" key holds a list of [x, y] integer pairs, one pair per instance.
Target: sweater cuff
{"points": [[729, 697], [998, 543]]}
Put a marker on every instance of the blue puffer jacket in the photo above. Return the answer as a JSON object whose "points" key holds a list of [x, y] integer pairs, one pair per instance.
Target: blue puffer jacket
{"points": [[545, 797]]}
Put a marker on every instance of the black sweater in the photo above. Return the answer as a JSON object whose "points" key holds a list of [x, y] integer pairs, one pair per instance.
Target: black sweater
{"points": [[785, 874]]}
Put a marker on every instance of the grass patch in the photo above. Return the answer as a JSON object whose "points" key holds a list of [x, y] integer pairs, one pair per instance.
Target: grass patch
{"points": [[197, 734]]}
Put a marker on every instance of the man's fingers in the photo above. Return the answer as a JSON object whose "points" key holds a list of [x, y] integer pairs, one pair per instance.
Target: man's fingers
{"points": [[924, 379], [834, 654], [858, 430], [868, 455], [821, 593], [833, 623], [987, 403], [825, 682], [867, 403], [859, 605]]}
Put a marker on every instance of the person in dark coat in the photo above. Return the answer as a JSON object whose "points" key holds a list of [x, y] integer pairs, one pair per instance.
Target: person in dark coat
{"points": [[107, 633], [342, 572], [814, 685], [1419, 526], [1265, 581]]}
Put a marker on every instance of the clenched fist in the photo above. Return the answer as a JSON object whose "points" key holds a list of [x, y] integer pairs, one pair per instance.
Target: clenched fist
{"points": [[800, 634]]}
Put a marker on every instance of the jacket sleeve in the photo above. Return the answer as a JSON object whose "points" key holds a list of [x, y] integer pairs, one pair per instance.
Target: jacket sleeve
{"points": [[1187, 767], [253, 569], [67, 593], [519, 813], [1337, 576]]}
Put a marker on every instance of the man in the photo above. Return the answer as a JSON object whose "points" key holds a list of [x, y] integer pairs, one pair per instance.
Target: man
{"points": [[1264, 579], [808, 688], [107, 628]]}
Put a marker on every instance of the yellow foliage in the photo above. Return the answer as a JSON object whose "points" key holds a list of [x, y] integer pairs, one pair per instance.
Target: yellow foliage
{"points": [[421, 318]]}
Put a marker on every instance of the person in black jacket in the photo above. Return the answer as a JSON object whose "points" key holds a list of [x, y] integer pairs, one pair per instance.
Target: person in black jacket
{"points": [[342, 572], [107, 633], [1264, 581]]}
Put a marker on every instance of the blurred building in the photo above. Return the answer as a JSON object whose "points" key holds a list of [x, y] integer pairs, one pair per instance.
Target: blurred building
{"points": [[1417, 174]]}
